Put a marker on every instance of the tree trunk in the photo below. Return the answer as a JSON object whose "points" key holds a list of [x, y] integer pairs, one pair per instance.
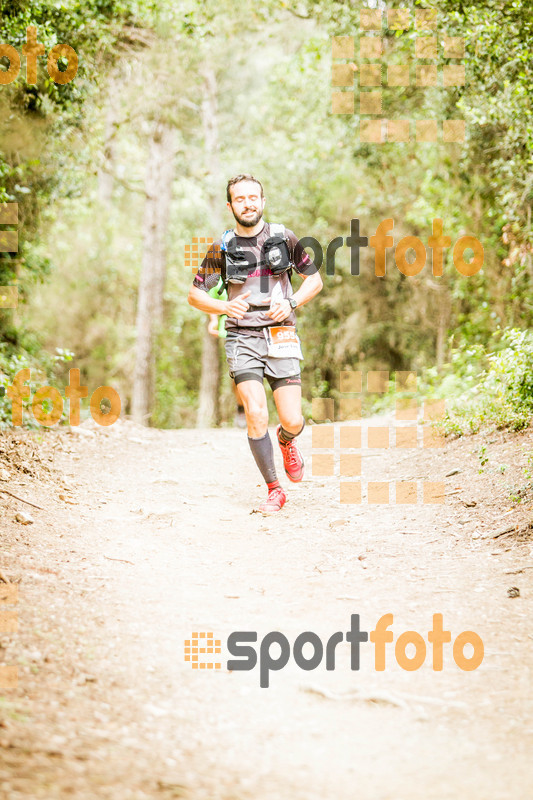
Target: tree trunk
{"points": [[209, 381], [107, 170], [442, 326], [158, 184], [210, 376]]}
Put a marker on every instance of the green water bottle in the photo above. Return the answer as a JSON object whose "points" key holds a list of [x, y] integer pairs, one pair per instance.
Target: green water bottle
{"points": [[219, 293]]}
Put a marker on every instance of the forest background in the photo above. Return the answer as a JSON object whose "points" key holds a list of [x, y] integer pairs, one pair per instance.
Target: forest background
{"points": [[115, 172]]}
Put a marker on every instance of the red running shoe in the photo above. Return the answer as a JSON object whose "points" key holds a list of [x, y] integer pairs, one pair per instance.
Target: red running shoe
{"points": [[292, 459], [275, 501]]}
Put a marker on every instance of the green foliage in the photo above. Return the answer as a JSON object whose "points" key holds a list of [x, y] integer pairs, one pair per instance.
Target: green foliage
{"points": [[49, 370], [40, 123], [524, 492], [178, 373], [511, 370], [500, 394], [482, 385], [274, 120], [484, 186], [496, 101]]}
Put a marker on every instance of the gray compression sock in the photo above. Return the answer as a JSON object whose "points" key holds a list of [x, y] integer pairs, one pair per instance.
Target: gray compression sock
{"points": [[264, 457]]}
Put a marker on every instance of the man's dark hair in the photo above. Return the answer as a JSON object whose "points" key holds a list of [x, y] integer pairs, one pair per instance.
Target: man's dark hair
{"points": [[238, 179]]}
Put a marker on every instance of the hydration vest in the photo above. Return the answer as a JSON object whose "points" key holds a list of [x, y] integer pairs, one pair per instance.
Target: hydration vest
{"points": [[276, 254]]}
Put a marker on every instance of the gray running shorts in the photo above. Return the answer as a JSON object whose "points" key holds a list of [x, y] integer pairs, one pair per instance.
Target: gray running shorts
{"points": [[248, 360]]}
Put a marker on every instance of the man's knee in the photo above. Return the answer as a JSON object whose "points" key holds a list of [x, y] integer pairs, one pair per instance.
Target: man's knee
{"points": [[254, 400], [256, 414], [292, 421]]}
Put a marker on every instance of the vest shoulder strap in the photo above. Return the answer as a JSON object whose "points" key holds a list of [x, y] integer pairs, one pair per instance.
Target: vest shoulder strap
{"points": [[277, 229], [226, 237]]}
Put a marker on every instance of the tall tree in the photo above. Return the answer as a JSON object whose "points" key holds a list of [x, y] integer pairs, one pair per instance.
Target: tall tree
{"points": [[210, 375], [107, 166], [158, 183]]}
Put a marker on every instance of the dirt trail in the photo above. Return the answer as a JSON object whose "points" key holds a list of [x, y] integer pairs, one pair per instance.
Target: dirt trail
{"points": [[152, 539]]}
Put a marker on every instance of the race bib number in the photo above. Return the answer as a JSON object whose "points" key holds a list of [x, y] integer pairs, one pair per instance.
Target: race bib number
{"points": [[283, 342]]}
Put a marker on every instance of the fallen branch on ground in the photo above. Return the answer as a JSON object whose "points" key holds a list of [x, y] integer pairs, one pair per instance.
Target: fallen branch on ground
{"points": [[124, 561], [503, 531], [4, 491], [513, 529]]}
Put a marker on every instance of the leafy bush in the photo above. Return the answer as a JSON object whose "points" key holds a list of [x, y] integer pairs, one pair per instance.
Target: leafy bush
{"points": [[456, 380], [503, 392], [481, 385], [513, 369]]}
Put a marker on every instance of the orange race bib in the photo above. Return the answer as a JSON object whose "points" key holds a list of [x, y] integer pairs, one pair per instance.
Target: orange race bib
{"points": [[283, 342]]}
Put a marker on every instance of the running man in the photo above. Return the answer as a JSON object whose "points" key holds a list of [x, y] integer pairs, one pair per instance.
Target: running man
{"points": [[255, 260]]}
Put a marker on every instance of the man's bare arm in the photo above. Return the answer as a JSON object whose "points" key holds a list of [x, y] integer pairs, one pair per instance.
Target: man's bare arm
{"points": [[311, 286], [236, 308], [204, 302]]}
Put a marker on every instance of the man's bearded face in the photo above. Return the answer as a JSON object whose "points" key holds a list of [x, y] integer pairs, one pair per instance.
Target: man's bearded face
{"points": [[247, 203]]}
